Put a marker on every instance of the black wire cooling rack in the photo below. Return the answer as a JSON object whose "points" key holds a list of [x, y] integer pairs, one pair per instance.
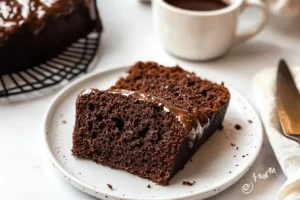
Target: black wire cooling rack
{"points": [[70, 63]]}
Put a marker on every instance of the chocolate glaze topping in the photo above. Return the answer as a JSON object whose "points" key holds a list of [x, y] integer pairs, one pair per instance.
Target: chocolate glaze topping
{"points": [[195, 122], [14, 13]]}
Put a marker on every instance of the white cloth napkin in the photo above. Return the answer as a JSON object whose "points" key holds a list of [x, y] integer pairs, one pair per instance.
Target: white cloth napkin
{"points": [[287, 151]]}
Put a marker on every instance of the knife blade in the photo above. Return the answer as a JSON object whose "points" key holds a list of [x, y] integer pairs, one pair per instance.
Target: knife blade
{"points": [[288, 101]]}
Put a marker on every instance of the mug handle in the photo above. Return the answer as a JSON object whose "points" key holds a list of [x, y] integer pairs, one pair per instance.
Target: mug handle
{"points": [[258, 4]]}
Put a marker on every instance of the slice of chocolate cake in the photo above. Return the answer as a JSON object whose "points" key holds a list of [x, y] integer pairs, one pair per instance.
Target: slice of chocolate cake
{"points": [[33, 31], [136, 132], [153, 130], [179, 87]]}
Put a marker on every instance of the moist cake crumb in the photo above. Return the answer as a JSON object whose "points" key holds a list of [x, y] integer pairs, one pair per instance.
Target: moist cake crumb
{"points": [[149, 186], [232, 144], [250, 121], [64, 121]]}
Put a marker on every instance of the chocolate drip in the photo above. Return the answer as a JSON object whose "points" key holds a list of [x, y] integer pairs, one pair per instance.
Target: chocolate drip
{"points": [[14, 13], [195, 123]]}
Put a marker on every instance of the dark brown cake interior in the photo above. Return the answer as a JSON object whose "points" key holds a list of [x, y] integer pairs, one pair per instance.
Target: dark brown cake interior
{"points": [[183, 89], [126, 133]]}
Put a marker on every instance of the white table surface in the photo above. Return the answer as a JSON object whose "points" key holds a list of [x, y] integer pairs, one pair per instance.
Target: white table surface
{"points": [[26, 173]]}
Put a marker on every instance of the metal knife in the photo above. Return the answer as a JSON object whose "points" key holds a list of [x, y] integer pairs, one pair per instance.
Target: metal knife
{"points": [[288, 102]]}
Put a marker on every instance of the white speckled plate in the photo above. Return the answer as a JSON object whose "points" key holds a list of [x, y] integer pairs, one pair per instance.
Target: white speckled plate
{"points": [[223, 160]]}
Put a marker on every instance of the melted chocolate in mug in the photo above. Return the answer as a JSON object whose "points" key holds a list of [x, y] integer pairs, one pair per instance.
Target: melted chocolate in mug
{"points": [[198, 5]]}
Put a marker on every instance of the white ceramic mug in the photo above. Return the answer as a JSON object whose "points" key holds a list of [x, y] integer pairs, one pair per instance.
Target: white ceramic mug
{"points": [[202, 35]]}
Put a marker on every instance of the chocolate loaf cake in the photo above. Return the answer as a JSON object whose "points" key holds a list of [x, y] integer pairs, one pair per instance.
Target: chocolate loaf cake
{"points": [[153, 130], [173, 84], [34, 31], [139, 133]]}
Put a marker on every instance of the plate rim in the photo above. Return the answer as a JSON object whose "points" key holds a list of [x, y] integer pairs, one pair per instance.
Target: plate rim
{"points": [[64, 172]]}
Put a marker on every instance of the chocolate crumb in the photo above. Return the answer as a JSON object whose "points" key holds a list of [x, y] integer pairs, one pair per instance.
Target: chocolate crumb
{"points": [[110, 186], [243, 156], [238, 127], [250, 121], [64, 121], [106, 196], [187, 183], [191, 160], [221, 127], [237, 148], [149, 186], [234, 156], [233, 144]]}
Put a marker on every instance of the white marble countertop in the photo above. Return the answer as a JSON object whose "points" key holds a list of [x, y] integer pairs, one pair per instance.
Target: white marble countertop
{"points": [[26, 173]]}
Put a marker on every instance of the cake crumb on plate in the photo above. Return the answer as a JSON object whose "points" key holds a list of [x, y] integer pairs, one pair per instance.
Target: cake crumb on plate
{"points": [[238, 127], [187, 183], [110, 186]]}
